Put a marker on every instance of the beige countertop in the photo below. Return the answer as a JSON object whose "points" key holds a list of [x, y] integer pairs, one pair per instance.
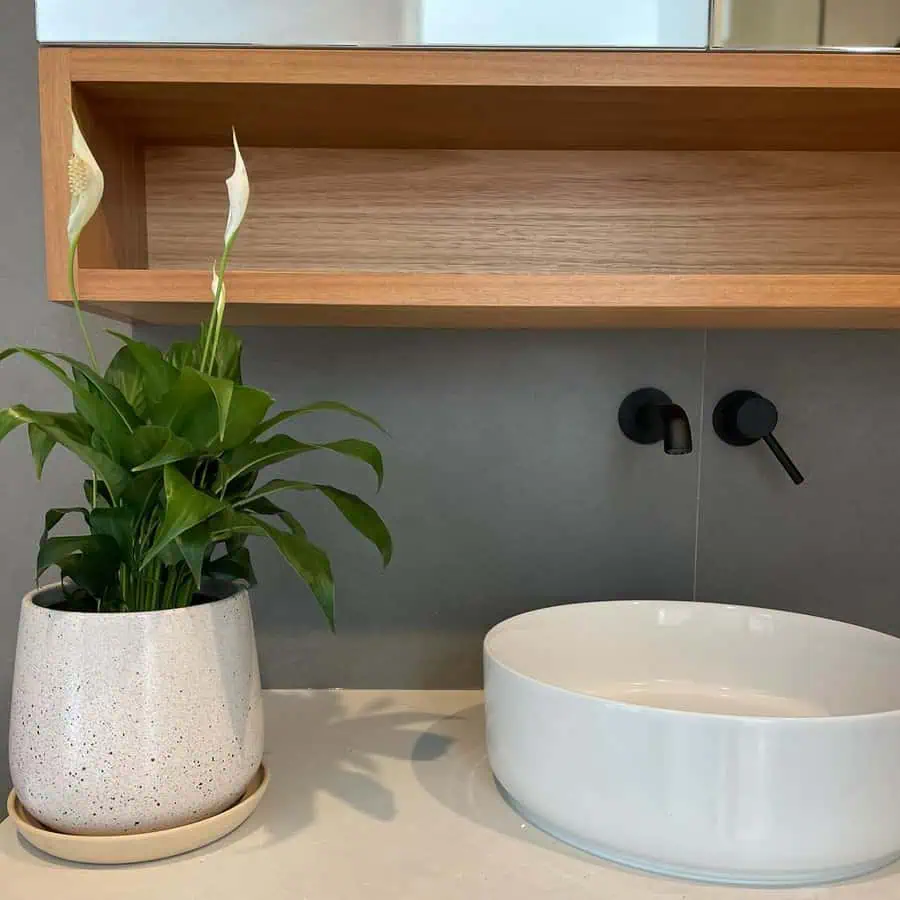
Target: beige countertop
{"points": [[375, 795]]}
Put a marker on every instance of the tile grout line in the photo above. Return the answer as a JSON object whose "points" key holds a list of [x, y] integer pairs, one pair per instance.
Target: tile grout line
{"points": [[700, 462]]}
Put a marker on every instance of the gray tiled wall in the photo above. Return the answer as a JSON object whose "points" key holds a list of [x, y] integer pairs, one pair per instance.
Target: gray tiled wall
{"points": [[828, 547]]}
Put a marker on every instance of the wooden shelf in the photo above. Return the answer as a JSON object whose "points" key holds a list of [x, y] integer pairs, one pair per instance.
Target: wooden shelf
{"points": [[496, 99], [516, 188], [502, 301]]}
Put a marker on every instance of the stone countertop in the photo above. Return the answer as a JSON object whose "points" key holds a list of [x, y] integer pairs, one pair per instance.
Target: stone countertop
{"points": [[379, 794]]}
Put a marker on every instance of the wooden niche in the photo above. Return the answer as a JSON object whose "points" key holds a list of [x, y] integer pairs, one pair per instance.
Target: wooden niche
{"points": [[486, 188]]}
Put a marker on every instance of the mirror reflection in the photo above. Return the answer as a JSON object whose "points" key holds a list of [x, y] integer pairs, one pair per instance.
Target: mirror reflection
{"points": [[806, 24], [379, 23]]}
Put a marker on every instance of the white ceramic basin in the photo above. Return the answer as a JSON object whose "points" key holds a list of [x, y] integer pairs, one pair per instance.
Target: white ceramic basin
{"points": [[712, 742]]}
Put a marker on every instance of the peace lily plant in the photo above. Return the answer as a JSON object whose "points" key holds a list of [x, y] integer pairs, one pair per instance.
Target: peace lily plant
{"points": [[176, 444], [136, 703]]}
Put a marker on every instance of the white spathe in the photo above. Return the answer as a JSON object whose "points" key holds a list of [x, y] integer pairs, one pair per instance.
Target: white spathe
{"points": [[85, 184], [219, 300], [134, 722], [238, 186], [719, 743]]}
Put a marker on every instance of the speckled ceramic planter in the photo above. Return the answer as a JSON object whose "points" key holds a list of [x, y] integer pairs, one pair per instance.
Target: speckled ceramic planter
{"points": [[131, 722]]}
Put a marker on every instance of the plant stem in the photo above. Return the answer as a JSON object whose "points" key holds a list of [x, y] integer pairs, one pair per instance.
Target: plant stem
{"points": [[73, 290], [216, 316], [219, 309]]}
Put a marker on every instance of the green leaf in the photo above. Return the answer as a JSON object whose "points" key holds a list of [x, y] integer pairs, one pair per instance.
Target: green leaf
{"points": [[53, 550], [117, 523], [54, 516], [145, 488], [255, 456], [258, 455], [102, 491], [94, 572], [320, 406], [185, 353], [111, 397], [238, 487], [233, 526], [111, 433], [193, 545], [159, 375], [124, 373], [362, 450], [309, 562], [233, 566], [8, 422], [235, 542], [152, 446], [110, 393], [185, 508], [114, 475], [227, 361], [263, 506], [189, 410], [38, 357], [41, 444], [248, 406], [260, 504], [362, 517], [222, 389], [354, 509]]}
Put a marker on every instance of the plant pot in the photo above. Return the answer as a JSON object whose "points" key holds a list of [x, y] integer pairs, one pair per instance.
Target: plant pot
{"points": [[133, 722]]}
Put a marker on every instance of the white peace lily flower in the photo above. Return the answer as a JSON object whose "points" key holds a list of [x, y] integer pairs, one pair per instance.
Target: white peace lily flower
{"points": [[238, 194], [238, 198], [85, 184]]}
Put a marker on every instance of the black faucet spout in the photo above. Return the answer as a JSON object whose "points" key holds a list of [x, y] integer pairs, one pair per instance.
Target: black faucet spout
{"points": [[676, 430], [648, 416]]}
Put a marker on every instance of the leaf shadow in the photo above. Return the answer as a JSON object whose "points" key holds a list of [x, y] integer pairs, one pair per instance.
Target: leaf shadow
{"points": [[465, 784], [319, 747], [340, 758]]}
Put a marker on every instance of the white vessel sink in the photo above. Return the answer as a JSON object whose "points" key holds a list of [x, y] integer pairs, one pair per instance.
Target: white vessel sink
{"points": [[712, 742]]}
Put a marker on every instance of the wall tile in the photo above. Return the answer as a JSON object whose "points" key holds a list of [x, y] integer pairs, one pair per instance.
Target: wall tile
{"points": [[829, 546]]}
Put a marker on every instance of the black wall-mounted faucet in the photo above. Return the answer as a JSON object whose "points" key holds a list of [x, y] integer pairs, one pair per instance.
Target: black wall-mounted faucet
{"points": [[648, 415], [742, 418]]}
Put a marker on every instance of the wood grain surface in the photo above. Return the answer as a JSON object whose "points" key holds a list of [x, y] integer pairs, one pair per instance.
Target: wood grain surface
{"points": [[56, 143], [487, 188], [116, 237], [526, 211], [537, 116], [564, 68], [503, 301], [497, 99]]}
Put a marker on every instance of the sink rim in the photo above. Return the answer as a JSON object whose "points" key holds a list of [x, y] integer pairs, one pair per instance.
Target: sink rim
{"points": [[834, 720]]}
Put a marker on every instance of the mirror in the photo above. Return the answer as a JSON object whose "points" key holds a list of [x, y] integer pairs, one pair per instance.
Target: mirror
{"points": [[378, 23], [806, 24]]}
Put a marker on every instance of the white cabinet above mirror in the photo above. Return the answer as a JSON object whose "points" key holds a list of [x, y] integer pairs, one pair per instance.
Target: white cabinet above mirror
{"points": [[378, 23]]}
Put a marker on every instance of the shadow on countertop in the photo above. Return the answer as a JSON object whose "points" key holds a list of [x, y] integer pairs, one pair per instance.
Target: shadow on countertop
{"points": [[339, 758]]}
